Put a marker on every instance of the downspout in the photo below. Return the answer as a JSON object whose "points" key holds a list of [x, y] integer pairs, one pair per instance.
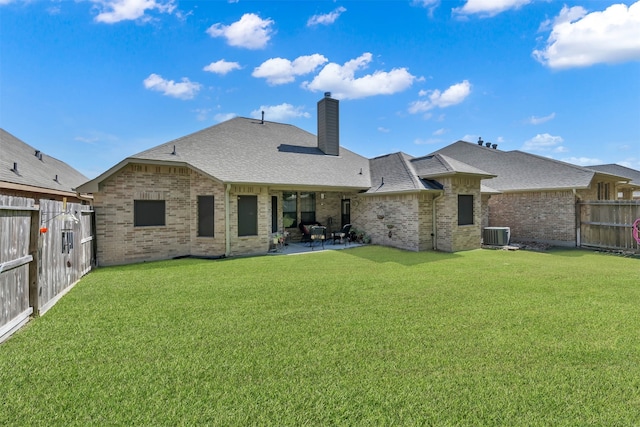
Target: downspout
{"points": [[577, 214], [227, 225], [434, 227]]}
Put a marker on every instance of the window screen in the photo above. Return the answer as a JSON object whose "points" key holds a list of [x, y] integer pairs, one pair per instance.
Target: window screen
{"points": [[148, 213], [205, 216], [247, 215], [465, 209]]}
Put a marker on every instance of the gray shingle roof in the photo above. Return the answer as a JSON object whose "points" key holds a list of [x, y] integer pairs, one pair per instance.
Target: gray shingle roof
{"points": [[399, 172], [35, 171], [250, 151], [613, 169], [520, 171]]}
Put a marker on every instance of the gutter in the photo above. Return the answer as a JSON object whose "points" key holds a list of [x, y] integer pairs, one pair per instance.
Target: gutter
{"points": [[434, 226], [227, 225]]}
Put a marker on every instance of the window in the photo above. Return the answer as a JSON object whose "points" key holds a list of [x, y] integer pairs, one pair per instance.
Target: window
{"points": [[205, 216], [465, 209], [289, 212], [247, 215], [148, 213], [604, 190], [308, 208]]}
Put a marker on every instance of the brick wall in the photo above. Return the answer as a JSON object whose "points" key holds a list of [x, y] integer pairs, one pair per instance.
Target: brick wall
{"points": [[118, 241], [542, 216], [452, 237]]}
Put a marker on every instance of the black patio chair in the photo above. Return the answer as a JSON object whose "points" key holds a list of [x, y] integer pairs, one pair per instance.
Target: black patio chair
{"points": [[342, 235]]}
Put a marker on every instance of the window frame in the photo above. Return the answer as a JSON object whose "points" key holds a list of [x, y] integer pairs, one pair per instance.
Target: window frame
{"points": [[287, 215]]}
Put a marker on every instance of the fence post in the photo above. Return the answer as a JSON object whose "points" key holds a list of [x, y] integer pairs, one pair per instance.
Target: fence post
{"points": [[34, 251]]}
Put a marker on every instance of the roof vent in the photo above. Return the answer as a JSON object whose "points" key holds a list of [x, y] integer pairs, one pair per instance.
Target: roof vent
{"points": [[327, 94], [15, 167], [173, 153], [56, 179], [37, 153], [494, 146], [480, 141], [487, 144], [262, 121]]}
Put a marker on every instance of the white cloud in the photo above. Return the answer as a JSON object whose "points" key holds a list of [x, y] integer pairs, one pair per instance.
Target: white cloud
{"points": [[222, 67], [429, 141], [279, 71], [455, 94], [251, 31], [342, 82], [185, 89], [326, 19], [544, 142], [280, 113], [489, 7], [579, 39], [383, 129], [440, 131], [3, 2], [539, 120], [582, 161], [223, 117], [112, 11]]}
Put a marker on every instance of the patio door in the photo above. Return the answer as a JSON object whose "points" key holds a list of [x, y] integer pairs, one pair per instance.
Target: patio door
{"points": [[345, 212]]}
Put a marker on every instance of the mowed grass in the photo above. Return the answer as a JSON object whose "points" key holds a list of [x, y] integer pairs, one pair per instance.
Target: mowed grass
{"points": [[366, 336]]}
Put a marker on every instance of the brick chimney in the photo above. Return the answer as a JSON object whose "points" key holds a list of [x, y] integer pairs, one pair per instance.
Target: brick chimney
{"points": [[329, 125]]}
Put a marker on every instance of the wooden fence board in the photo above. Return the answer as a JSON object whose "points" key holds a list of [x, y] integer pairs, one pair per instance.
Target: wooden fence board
{"points": [[608, 224], [37, 269]]}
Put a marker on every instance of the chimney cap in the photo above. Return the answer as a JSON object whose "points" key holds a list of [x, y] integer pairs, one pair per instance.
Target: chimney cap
{"points": [[327, 94]]}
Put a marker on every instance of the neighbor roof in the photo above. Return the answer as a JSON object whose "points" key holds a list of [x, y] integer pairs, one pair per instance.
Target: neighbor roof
{"points": [[252, 151], [26, 168], [520, 171], [613, 169]]}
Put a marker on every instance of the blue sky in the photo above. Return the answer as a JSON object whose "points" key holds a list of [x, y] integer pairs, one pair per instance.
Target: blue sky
{"points": [[91, 82]]}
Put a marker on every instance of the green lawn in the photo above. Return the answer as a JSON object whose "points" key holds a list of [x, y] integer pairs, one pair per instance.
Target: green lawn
{"points": [[365, 336]]}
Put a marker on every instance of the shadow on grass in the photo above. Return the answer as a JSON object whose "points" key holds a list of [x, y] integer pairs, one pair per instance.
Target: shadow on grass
{"points": [[383, 254]]}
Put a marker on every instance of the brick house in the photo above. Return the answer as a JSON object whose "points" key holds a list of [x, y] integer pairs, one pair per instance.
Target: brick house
{"points": [[224, 190], [537, 197], [27, 172]]}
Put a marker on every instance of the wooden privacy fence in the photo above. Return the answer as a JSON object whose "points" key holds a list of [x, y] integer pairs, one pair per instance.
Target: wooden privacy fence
{"points": [[608, 224], [44, 251]]}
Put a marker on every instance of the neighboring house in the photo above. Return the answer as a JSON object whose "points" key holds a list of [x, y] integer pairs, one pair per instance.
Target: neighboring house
{"points": [[626, 191], [28, 172], [536, 196], [224, 190]]}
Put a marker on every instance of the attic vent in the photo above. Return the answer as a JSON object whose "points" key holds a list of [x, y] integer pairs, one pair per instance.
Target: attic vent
{"points": [[496, 236], [480, 141], [487, 144], [494, 146], [37, 153]]}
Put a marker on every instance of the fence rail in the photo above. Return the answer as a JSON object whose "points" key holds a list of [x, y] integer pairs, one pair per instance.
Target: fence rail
{"points": [[607, 224]]}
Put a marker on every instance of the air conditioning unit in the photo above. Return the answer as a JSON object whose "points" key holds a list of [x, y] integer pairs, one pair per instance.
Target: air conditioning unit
{"points": [[496, 236]]}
